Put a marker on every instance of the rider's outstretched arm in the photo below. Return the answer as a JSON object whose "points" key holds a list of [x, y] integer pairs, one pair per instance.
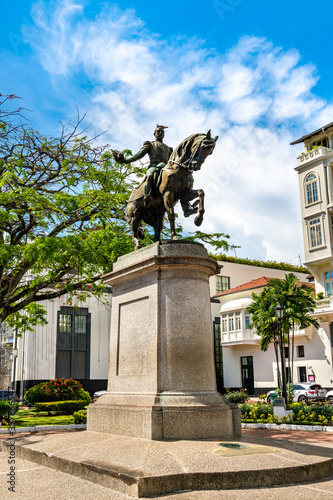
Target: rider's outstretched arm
{"points": [[140, 154]]}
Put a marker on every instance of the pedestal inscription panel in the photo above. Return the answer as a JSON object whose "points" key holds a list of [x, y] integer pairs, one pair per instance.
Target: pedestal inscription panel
{"points": [[132, 318]]}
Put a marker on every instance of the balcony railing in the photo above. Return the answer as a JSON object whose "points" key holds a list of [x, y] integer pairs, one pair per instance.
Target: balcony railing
{"points": [[239, 336], [313, 154], [323, 304]]}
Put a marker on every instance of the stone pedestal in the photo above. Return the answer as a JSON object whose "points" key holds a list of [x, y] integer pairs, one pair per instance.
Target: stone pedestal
{"points": [[161, 382]]}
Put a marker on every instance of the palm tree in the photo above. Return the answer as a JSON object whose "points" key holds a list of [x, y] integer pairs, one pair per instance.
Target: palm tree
{"points": [[264, 320], [298, 302]]}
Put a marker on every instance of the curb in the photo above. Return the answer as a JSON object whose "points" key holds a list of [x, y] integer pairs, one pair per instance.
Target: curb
{"points": [[38, 428], [17, 430], [291, 427]]}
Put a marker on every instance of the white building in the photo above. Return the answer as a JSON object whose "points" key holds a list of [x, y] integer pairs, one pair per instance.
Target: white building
{"points": [[314, 168], [244, 364], [73, 344]]}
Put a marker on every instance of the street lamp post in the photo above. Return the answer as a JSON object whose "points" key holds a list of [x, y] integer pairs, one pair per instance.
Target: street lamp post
{"points": [[279, 314]]}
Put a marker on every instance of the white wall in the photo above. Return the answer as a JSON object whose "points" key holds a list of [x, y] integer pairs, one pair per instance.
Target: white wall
{"points": [[37, 349]]}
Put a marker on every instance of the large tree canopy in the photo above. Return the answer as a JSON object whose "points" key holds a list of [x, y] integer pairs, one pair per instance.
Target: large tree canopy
{"points": [[62, 222], [61, 215]]}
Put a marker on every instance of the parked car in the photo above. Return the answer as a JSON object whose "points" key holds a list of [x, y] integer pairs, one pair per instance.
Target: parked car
{"points": [[8, 394], [97, 394], [329, 397], [304, 392]]}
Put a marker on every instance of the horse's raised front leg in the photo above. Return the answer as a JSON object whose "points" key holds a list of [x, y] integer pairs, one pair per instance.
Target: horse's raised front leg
{"points": [[199, 218], [169, 206], [189, 209]]}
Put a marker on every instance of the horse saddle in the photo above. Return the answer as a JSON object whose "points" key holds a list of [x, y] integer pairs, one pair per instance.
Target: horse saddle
{"points": [[138, 192]]}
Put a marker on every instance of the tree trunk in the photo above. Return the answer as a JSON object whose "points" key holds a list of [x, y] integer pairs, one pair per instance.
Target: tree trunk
{"points": [[276, 349], [292, 354]]}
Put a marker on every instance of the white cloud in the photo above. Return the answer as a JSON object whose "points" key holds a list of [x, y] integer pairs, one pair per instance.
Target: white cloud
{"points": [[248, 96]]}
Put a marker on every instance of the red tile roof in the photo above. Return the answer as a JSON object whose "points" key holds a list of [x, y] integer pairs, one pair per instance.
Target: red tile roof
{"points": [[256, 283]]}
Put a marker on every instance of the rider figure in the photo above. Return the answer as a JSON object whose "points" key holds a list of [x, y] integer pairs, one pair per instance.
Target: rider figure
{"points": [[159, 154]]}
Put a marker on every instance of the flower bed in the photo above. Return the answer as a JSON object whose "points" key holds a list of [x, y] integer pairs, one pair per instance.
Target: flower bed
{"points": [[319, 414]]}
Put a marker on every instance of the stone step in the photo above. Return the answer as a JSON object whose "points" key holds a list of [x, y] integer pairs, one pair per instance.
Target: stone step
{"points": [[143, 468]]}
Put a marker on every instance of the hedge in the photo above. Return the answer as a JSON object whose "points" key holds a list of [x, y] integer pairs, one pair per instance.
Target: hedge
{"points": [[314, 414], [63, 407], [260, 263], [80, 417]]}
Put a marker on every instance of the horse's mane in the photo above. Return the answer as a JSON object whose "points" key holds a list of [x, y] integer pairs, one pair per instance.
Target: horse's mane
{"points": [[183, 152]]}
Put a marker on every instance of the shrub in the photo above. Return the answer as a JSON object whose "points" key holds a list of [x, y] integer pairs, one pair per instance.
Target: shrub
{"points": [[7, 409], [237, 396], [80, 417], [35, 393], [319, 414], [60, 389], [63, 407]]}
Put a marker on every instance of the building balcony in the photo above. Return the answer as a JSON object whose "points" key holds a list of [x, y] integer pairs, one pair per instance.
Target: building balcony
{"points": [[324, 307], [239, 337], [314, 154]]}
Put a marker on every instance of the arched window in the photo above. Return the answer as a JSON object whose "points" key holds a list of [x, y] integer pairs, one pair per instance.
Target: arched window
{"points": [[311, 189]]}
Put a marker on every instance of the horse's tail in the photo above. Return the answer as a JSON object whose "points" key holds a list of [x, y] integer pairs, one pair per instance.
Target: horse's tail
{"points": [[130, 212]]}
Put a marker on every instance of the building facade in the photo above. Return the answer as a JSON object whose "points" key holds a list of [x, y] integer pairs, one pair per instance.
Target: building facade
{"points": [[314, 168], [244, 364], [73, 344]]}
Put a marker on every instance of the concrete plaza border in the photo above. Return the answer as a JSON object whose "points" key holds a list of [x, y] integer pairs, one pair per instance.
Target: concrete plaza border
{"points": [[144, 468], [293, 427]]}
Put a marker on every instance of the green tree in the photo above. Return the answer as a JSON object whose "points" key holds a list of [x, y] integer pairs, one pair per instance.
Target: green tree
{"points": [[298, 302], [264, 320], [61, 217]]}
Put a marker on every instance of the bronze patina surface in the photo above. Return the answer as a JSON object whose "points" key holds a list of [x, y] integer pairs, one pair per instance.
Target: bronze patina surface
{"points": [[167, 183]]}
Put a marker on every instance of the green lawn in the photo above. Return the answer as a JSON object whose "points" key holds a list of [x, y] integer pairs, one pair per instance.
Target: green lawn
{"points": [[30, 418]]}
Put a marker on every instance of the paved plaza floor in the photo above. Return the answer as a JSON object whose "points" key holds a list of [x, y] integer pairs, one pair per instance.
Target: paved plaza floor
{"points": [[36, 481]]}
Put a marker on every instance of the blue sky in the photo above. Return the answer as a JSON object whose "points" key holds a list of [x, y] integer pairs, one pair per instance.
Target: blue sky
{"points": [[256, 72]]}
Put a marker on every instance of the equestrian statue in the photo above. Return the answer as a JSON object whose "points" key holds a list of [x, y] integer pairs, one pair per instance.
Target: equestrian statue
{"points": [[168, 180]]}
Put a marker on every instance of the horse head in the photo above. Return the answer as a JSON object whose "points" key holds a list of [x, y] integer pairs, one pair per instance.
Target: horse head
{"points": [[192, 152]]}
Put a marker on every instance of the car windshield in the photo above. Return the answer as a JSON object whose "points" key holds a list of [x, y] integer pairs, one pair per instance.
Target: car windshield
{"points": [[315, 387]]}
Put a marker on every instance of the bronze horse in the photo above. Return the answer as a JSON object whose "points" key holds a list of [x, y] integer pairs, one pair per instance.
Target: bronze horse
{"points": [[173, 183]]}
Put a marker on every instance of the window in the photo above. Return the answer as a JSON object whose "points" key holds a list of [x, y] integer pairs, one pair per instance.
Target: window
{"points": [[315, 233], [247, 321], [302, 374], [222, 283], [218, 353], [232, 322], [238, 321], [311, 189], [73, 343], [316, 144], [286, 352], [300, 351], [329, 282]]}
